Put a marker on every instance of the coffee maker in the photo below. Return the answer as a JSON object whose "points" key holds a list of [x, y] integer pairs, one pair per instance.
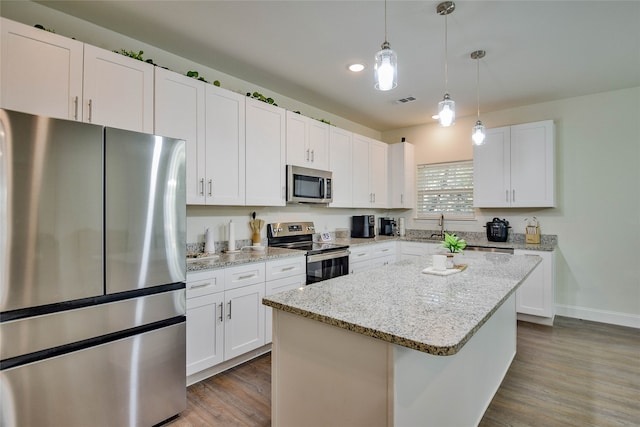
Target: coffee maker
{"points": [[363, 226], [387, 227]]}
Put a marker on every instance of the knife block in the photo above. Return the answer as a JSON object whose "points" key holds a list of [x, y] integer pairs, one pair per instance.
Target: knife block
{"points": [[255, 237]]}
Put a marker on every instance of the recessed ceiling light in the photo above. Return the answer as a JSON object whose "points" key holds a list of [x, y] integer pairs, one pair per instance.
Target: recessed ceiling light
{"points": [[356, 68]]}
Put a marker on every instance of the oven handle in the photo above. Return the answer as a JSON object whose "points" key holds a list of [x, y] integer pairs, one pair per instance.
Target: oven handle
{"points": [[328, 255]]}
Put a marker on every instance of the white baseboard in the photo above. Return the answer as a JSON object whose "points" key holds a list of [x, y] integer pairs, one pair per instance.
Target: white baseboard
{"points": [[224, 366], [595, 315]]}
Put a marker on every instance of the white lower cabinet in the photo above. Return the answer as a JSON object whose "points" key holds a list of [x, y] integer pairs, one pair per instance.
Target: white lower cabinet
{"points": [[282, 275], [225, 315], [366, 257], [535, 296], [412, 250], [205, 328]]}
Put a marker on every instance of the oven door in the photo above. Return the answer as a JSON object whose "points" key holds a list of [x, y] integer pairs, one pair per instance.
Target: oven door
{"points": [[327, 265]]}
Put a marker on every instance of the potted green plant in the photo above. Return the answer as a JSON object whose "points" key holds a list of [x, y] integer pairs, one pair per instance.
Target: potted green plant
{"points": [[455, 245]]}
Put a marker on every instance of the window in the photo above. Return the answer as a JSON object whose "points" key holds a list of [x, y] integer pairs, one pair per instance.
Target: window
{"points": [[445, 188]]}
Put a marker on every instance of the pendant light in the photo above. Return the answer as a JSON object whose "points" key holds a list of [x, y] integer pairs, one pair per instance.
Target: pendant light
{"points": [[478, 135], [446, 107], [386, 68]]}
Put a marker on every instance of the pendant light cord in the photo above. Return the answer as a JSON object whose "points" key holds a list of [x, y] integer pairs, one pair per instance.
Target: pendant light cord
{"points": [[478, 85], [446, 57], [385, 21]]}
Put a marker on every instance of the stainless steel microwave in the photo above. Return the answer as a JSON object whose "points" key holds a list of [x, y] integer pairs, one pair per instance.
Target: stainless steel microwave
{"points": [[305, 185]]}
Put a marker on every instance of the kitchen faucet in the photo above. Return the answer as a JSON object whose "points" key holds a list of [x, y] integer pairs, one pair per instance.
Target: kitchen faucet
{"points": [[441, 224]]}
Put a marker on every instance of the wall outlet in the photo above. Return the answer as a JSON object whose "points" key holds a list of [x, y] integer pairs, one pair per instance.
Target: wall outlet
{"points": [[325, 237]]}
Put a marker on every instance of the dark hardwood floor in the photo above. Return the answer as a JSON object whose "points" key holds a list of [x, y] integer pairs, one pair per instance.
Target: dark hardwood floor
{"points": [[577, 373]]}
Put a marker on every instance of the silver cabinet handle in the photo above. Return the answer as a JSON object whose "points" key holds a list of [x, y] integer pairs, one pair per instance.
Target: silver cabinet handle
{"points": [[307, 155], [402, 199], [313, 155], [288, 268], [513, 197], [90, 110], [221, 315], [202, 186], [247, 276], [202, 285], [229, 315], [75, 107], [210, 187], [506, 195]]}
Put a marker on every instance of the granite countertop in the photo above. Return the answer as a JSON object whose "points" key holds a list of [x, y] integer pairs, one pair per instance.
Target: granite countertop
{"points": [[401, 305], [248, 255], [483, 242]]}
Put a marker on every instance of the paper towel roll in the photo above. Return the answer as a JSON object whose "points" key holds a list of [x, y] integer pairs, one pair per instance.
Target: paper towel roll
{"points": [[209, 241], [401, 227], [232, 237]]}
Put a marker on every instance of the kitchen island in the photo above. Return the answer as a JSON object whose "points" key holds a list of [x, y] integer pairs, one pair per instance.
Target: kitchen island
{"points": [[396, 347]]}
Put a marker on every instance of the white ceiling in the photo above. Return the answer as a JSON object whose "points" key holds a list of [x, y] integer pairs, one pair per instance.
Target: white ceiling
{"points": [[537, 51]]}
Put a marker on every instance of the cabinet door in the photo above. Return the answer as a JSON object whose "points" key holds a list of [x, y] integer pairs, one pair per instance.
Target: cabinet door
{"points": [[318, 145], [360, 172], [297, 151], [378, 174], [265, 154], [532, 165], [180, 113], [340, 142], [204, 332], [244, 323], [402, 175], [225, 148], [40, 72], [118, 90], [491, 170], [536, 295]]}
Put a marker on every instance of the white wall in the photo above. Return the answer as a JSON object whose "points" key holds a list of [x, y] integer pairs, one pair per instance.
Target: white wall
{"points": [[597, 218]]}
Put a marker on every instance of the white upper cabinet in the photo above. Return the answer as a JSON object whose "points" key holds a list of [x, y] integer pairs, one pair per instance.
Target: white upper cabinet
{"points": [[225, 147], [307, 142], [118, 90], [369, 167], [402, 175], [180, 113], [265, 154], [40, 72], [340, 142], [47, 74], [515, 167]]}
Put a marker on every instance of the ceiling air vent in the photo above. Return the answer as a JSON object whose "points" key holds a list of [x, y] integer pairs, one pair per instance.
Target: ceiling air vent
{"points": [[405, 100]]}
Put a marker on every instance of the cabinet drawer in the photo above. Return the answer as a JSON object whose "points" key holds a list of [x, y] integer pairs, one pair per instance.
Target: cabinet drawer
{"points": [[383, 250], [359, 253], [248, 274], [204, 283], [287, 267]]}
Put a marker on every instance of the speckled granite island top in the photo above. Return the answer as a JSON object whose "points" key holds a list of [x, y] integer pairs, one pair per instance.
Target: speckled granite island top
{"points": [[401, 305]]}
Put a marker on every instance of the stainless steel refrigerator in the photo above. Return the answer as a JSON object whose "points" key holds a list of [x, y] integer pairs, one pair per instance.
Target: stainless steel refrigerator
{"points": [[92, 274]]}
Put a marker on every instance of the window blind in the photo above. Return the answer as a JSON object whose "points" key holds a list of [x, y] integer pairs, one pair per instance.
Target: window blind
{"points": [[445, 188]]}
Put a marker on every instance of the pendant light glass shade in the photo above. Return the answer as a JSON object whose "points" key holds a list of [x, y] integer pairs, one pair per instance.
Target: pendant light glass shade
{"points": [[446, 107], [478, 135], [446, 111], [386, 68]]}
